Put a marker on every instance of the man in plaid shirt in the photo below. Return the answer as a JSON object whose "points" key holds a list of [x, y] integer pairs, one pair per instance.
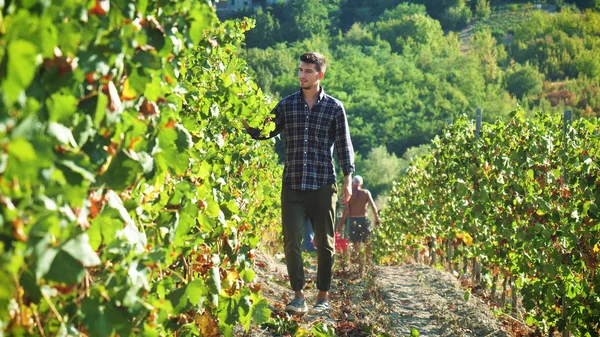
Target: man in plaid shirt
{"points": [[313, 122]]}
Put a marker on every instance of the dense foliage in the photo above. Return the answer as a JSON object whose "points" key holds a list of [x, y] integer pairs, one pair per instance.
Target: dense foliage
{"points": [[129, 194], [405, 69], [523, 199]]}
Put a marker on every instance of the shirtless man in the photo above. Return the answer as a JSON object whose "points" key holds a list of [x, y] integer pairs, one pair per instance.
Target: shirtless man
{"points": [[360, 226]]}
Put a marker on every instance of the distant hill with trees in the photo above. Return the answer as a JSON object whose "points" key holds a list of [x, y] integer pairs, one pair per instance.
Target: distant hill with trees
{"points": [[404, 70]]}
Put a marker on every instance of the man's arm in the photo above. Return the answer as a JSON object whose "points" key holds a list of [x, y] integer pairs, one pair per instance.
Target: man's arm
{"points": [[346, 189], [278, 119], [340, 225], [345, 151], [374, 208]]}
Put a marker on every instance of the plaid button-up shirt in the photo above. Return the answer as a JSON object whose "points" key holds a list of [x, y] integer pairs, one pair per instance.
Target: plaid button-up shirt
{"points": [[310, 136]]}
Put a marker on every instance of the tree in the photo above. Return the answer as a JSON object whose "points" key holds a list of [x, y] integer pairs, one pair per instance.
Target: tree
{"points": [[483, 9], [310, 17], [267, 31], [523, 80], [456, 17], [416, 30], [402, 10], [485, 47], [379, 170], [359, 36]]}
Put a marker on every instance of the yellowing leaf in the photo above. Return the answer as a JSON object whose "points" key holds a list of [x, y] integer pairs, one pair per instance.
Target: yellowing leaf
{"points": [[208, 325], [128, 92], [230, 279]]}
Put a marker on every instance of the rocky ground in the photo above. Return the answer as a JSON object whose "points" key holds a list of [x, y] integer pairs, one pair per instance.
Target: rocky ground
{"points": [[407, 300]]}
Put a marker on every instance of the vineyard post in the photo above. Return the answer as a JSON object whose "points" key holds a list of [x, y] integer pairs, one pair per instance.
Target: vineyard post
{"points": [[476, 266], [567, 121], [514, 298], [450, 252], [477, 122], [449, 245], [432, 249]]}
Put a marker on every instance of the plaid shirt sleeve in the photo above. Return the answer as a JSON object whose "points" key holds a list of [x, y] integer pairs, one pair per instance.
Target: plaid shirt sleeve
{"points": [[278, 119], [343, 143]]}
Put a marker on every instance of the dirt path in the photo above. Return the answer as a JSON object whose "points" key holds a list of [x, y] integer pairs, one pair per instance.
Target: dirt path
{"points": [[432, 302], [392, 299]]}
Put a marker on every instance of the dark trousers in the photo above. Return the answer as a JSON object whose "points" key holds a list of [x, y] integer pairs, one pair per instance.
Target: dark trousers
{"points": [[319, 207]]}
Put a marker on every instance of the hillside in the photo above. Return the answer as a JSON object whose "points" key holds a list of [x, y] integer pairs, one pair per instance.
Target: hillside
{"points": [[502, 22]]}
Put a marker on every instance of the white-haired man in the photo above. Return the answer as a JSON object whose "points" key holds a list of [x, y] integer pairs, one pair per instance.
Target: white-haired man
{"points": [[360, 226]]}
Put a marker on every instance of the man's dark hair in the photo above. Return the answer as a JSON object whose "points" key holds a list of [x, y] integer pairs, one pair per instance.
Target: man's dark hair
{"points": [[315, 58]]}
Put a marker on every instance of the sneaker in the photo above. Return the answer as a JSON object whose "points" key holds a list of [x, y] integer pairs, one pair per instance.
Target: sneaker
{"points": [[320, 307], [297, 306]]}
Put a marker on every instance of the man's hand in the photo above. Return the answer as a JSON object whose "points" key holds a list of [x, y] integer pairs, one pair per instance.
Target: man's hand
{"points": [[246, 125], [346, 190]]}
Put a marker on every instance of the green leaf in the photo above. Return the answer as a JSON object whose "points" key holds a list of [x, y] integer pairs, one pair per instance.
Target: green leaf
{"points": [[48, 37], [138, 79], [207, 223], [150, 331], [260, 309], [247, 275], [100, 112], [530, 174], [414, 332], [147, 60], [204, 170], [122, 172], [323, 330], [84, 131], [178, 300], [212, 209], [187, 221], [96, 318], [103, 230], [191, 295], [184, 138], [244, 309], [154, 90], [80, 249], [228, 313], [142, 5], [174, 159], [134, 237], [21, 149], [30, 286], [45, 258], [65, 269], [196, 292], [61, 107], [87, 175], [6, 291], [202, 19], [62, 134], [21, 68]]}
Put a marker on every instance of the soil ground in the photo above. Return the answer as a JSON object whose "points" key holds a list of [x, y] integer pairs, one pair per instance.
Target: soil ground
{"points": [[385, 301]]}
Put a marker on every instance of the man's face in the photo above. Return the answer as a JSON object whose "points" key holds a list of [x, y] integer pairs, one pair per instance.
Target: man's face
{"points": [[308, 75]]}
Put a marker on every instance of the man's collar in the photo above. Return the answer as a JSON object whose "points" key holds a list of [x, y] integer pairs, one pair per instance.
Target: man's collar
{"points": [[320, 96], [321, 93]]}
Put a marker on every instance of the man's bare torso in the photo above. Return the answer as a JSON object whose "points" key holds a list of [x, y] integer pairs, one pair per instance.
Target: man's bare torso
{"points": [[358, 203]]}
